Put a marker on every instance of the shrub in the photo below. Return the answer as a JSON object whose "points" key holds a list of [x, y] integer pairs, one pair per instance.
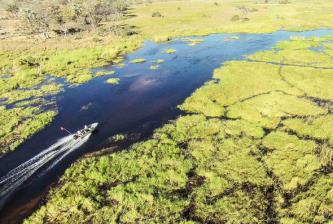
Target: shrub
{"points": [[12, 8], [235, 18], [156, 14], [284, 2]]}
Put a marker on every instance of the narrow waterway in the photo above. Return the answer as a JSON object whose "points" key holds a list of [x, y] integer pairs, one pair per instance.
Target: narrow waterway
{"points": [[142, 101]]}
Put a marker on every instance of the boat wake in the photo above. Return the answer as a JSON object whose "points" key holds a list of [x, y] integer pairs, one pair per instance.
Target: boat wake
{"points": [[51, 156]]}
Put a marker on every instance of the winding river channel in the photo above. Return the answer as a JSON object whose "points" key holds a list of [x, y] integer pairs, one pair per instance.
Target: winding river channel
{"points": [[143, 100]]}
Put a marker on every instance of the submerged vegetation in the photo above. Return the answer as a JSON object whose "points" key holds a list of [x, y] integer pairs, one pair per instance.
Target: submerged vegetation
{"points": [[154, 67], [255, 147], [169, 51], [192, 41], [159, 61]]}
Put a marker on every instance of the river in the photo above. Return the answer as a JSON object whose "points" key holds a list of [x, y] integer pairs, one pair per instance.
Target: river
{"points": [[142, 101]]}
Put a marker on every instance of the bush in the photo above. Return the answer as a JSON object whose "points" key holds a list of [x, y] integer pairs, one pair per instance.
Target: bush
{"points": [[12, 8], [156, 14], [284, 2], [63, 17], [235, 18]]}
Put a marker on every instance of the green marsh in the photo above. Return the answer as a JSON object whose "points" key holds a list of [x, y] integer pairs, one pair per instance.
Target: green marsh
{"points": [[255, 146]]}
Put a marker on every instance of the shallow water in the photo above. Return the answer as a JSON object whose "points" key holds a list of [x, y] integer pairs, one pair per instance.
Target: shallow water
{"points": [[143, 100]]}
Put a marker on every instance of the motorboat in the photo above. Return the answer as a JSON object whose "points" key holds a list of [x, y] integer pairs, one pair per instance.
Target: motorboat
{"points": [[87, 130], [16, 177]]}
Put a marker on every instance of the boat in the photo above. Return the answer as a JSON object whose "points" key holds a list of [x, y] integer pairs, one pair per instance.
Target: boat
{"points": [[15, 178], [87, 130]]}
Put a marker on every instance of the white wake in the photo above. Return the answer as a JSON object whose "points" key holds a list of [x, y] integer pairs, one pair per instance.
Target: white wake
{"points": [[56, 152]]}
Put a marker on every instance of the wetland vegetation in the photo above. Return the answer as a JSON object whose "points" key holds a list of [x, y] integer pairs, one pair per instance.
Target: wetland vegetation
{"points": [[169, 51], [255, 146], [66, 40], [113, 81]]}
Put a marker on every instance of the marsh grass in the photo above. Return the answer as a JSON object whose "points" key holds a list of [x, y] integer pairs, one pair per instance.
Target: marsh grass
{"points": [[113, 81], [159, 61], [28, 69], [138, 60], [103, 73], [28, 61], [218, 165], [20, 123], [244, 155], [169, 51]]}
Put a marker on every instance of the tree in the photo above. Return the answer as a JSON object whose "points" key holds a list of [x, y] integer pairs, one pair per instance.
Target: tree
{"points": [[37, 22], [12, 8], [68, 16]]}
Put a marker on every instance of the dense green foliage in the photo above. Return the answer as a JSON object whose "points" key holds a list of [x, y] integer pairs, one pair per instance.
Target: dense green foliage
{"points": [[17, 125], [27, 81], [255, 148]]}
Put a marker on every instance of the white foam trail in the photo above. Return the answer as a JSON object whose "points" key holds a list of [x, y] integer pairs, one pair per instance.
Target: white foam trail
{"points": [[77, 145], [36, 158], [17, 176]]}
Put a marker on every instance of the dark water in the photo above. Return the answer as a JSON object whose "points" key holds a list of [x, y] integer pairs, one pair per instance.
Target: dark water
{"points": [[144, 100]]}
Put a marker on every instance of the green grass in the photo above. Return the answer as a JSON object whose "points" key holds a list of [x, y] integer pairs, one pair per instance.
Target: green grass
{"points": [[297, 160], [320, 128], [18, 124], [113, 81], [102, 73], [142, 190], [268, 109], [29, 60], [203, 17], [169, 51], [312, 206], [29, 68], [256, 143], [138, 60]]}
